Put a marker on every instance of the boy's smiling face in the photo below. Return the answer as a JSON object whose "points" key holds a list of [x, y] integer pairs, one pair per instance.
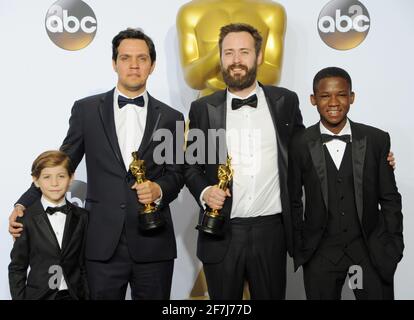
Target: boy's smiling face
{"points": [[53, 182], [333, 98]]}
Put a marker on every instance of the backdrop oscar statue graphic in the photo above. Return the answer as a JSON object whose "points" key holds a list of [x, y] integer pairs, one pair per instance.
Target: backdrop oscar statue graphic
{"points": [[199, 23], [198, 27]]}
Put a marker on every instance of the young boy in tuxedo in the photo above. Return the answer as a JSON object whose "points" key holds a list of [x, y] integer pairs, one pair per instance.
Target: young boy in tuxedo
{"points": [[352, 222], [53, 237]]}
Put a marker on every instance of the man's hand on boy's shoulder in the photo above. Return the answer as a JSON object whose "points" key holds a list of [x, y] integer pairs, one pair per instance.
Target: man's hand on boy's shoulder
{"points": [[16, 228]]}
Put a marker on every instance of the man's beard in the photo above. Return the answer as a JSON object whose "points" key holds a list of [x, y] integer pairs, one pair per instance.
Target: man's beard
{"points": [[239, 82]]}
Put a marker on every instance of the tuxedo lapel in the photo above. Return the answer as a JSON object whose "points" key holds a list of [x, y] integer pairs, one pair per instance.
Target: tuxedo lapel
{"points": [[217, 117], [359, 146], [217, 114], [151, 124], [106, 111], [275, 103], [71, 223], [318, 159], [44, 225]]}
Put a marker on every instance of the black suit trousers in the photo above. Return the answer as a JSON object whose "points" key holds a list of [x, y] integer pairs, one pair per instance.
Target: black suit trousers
{"points": [[108, 280], [256, 254], [324, 279]]}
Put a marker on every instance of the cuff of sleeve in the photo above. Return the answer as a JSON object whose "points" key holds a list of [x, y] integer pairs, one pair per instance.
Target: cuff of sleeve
{"points": [[20, 205], [158, 201], [203, 203]]}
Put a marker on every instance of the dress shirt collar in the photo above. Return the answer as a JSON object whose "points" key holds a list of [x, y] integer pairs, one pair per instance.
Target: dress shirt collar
{"points": [[46, 203], [230, 95], [118, 92], [345, 130]]}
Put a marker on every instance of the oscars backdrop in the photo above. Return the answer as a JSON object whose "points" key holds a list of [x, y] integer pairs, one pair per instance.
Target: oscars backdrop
{"points": [[55, 52]]}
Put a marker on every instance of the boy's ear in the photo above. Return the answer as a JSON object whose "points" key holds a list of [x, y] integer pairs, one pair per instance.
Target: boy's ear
{"points": [[313, 99], [35, 182], [352, 97]]}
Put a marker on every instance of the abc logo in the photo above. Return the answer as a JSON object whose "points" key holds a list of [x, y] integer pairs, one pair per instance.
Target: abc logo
{"points": [[343, 24], [71, 24], [77, 193]]}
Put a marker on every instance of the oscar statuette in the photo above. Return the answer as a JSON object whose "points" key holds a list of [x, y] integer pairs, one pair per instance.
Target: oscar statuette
{"points": [[212, 221], [149, 218]]}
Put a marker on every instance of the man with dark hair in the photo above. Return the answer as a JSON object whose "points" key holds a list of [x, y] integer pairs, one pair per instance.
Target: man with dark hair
{"points": [[133, 34], [241, 27], [107, 128], [352, 222], [258, 121], [198, 25]]}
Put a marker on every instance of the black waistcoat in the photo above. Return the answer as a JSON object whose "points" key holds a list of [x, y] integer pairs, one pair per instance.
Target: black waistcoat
{"points": [[343, 231]]}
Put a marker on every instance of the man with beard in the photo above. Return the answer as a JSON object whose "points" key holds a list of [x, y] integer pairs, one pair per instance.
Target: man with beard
{"points": [[252, 124], [198, 24]]}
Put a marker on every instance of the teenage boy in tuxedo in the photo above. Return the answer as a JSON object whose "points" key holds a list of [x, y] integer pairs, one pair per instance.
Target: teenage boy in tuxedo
{"points": [[352, 215], [53, 239]]}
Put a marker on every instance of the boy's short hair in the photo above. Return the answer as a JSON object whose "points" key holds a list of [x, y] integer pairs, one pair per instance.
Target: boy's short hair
{"points": [[49, 159], [331, 72]]}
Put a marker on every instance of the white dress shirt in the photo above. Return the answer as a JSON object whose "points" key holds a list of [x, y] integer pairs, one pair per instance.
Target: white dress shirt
{"points": [[130, 122], [57, 221], [130, 125], [251, 143], [336, 147]]}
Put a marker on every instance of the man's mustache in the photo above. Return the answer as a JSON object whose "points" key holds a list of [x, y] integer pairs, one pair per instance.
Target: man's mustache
{"points": [[237, 66]]}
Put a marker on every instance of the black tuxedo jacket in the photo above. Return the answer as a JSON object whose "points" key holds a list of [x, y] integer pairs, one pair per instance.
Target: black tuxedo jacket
{"points": [[38, 248], [377, 199], [110, 200], [210, 113]]}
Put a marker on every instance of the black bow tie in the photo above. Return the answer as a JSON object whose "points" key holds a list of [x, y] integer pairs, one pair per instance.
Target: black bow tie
{"points": [[64, 209], [238, 103], [122, 101], [328, 137]]}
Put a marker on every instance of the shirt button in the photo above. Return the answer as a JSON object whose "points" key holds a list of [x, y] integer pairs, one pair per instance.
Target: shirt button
{"points": [[345, 230], [342, 213], [123, 205], [339, 180]]}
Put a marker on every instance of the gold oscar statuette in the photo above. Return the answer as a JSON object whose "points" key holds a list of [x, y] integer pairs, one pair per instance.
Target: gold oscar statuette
{"points": [[149, 218], [212, 221]]}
